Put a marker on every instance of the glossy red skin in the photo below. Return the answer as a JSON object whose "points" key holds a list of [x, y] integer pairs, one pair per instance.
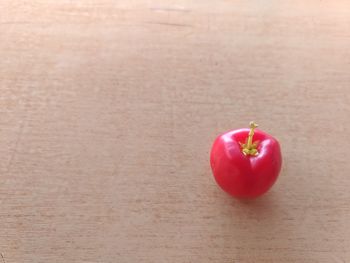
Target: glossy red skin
{"points": [[245, 176]]}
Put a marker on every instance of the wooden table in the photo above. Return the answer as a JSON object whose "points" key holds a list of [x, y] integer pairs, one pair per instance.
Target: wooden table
{"points": [[108, 112]]}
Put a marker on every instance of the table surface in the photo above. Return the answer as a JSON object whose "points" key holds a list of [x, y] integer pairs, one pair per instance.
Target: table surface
{"points": [[109, 109]]}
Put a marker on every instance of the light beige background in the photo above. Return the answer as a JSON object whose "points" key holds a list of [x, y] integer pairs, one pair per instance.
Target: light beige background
{"points": [[107, 114]]}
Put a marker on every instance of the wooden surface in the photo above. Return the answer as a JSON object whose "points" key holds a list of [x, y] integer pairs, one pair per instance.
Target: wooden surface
{"points": [[109, 108]]}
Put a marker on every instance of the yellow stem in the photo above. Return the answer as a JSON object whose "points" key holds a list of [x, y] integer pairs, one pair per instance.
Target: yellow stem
{"points": [[249, 148], [251, 134]]}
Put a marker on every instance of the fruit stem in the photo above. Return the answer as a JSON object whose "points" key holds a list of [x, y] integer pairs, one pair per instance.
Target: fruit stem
{"points": [[249, 148]]}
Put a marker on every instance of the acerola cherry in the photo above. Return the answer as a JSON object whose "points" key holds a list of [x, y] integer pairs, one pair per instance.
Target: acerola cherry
{"points": [[246, 162]]}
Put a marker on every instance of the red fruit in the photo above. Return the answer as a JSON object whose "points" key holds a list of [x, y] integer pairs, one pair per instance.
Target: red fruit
{"points": [[246, 162]]}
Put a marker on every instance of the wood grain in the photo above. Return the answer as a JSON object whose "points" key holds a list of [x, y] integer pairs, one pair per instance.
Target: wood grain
{"points": [[109, 108]]}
